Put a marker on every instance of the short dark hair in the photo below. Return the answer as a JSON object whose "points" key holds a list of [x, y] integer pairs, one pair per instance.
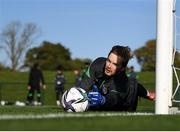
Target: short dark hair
{"points": [[59, 67], [122, 51], [36, 65]]}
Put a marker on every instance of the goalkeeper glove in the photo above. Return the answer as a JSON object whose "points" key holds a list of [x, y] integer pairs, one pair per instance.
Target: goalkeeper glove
{"points": [[96, 99], [95, 88]]}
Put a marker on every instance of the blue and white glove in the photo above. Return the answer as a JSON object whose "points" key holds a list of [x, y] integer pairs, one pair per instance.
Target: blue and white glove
{"points": [[96, 99], [95, 88]]}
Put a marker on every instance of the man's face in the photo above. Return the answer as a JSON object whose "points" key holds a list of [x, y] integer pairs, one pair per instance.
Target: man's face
{"points": [[59, 71], [112, 64]]}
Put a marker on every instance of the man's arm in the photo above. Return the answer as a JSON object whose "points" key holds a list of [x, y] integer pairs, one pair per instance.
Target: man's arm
{"points": [[42, 80], [109, 101], [143, 92], [95, 70]]}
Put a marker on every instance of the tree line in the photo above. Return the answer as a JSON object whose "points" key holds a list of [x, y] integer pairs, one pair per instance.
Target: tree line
{"points": [[16, 39], [50, 55], [146, 56]]}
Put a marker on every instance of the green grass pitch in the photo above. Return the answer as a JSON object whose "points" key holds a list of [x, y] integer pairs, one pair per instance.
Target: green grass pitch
{"points": [[50, 117]]}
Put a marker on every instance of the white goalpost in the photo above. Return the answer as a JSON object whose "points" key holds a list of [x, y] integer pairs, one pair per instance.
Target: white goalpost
{"points": [[164, 55]]}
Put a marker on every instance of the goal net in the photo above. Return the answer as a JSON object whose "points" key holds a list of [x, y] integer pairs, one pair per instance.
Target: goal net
{"points": [[176, 57]]}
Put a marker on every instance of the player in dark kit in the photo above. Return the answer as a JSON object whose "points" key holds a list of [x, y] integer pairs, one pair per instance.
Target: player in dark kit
{"points": [[131, 73], [59, 84], [35, 83], [108, 86]]}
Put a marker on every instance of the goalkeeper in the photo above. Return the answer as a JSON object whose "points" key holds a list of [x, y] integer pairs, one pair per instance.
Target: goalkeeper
{"points": [[108, 86]]}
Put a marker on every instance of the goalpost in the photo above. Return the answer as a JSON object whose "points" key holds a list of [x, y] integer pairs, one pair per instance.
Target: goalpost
{"points": [[164, 55]]}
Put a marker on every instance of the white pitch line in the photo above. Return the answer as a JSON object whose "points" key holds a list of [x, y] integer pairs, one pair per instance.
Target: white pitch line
{"points": [[67, 115]]}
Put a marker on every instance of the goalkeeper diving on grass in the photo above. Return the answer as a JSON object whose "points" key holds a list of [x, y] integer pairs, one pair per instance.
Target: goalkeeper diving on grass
{"points": [[107, 85]]}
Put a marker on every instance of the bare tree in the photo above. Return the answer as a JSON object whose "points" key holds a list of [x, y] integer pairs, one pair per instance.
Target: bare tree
{"points": [[16, 39]]}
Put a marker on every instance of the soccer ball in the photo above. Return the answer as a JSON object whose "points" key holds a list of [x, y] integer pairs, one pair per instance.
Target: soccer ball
{"points": [[75, 100]]}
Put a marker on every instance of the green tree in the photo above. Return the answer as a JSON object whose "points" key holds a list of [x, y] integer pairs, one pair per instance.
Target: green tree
{"points": [[80, 63], [49, 55], [3, 67], [177, 59], [146, 56]]}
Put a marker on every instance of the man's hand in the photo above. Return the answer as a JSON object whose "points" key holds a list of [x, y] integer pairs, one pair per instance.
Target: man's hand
{"points": [[44, 86], [151, 95], [95, 99], [29, 87]]}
